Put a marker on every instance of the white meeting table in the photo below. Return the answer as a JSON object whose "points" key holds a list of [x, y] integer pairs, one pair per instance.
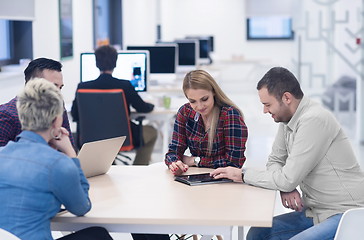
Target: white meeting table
{"points": [[146, 199]]}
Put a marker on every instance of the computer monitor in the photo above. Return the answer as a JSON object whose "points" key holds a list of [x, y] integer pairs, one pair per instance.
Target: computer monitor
{"points": [[130, 65], [276, 27], [211, 38], [188, 54], [204, 49], [163, 57]]}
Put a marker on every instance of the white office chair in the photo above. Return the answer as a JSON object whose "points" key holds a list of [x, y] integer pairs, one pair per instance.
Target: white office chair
{"points": [[351, 225], [5, 235]]}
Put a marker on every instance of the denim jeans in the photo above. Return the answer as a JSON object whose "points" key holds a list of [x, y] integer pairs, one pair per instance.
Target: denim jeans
{"points": [[296, 226]]}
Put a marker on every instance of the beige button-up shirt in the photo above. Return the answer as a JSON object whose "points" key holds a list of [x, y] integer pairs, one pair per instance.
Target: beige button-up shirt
{"points": [[312, 151]]}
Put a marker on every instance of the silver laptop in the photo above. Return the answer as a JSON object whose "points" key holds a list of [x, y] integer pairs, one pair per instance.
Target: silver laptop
{"points": [[97, 157]]}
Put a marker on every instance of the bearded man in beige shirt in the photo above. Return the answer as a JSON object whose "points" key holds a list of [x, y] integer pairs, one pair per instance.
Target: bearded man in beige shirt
{"points": [[310, 151]]}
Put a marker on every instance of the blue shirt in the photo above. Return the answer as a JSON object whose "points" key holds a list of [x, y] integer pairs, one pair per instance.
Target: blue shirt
{"points": [[35, 180]]}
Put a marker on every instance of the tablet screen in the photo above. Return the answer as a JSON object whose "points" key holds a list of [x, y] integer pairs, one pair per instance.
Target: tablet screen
{"points": [[201, 178]]}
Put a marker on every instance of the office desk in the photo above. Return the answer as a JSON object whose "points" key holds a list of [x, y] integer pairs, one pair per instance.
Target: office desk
{"points": [[146, 199], [164, 118]]}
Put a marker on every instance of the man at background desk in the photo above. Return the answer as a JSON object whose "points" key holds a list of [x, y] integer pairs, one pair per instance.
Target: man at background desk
{"points": [[10, 125], [106, 57], [311, 151]]}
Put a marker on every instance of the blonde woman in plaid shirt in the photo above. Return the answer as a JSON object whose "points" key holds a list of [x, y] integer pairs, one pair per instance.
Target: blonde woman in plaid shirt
{"points": [[210, 125]]}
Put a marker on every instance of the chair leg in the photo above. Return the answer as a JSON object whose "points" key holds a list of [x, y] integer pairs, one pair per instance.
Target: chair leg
{"points": [[179, 237], [124, 159], [195, 237]]}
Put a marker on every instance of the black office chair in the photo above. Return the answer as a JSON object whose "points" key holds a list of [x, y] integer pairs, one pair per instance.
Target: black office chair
{"points": [[104, 114]]}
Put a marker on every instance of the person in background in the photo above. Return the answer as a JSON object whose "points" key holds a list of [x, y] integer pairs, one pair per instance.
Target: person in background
{"points": [[210, 125], [106, 57], [35, 178], [10, 125], [310, 151]]}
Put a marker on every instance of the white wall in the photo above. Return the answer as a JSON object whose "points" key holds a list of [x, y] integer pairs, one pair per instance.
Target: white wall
{"points": [[139, 22], [82, 42], [46, 44], [223, 19], [46, 30], [9, 10], [326, 41]]}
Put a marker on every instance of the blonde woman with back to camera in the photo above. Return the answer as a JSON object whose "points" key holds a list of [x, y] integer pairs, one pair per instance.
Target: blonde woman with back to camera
{"points": [[35, 178], [210, 125]]}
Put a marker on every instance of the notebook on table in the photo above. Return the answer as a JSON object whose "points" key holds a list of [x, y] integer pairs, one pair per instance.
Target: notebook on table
{"points": [[200, 179], [97, 157]]}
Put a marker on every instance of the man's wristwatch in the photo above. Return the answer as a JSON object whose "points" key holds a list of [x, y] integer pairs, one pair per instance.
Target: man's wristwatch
{"points": [[196, 161]]}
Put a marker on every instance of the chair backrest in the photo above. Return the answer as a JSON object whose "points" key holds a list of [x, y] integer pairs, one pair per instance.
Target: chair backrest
{"points": [[5, 235], [103, 114], [351, 225]]}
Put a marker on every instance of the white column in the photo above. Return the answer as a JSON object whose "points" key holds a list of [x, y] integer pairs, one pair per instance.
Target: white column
{"points": [[360, 90]]}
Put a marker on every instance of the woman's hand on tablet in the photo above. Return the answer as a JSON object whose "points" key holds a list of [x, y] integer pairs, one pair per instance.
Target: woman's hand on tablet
{"points": [[178, 167]]}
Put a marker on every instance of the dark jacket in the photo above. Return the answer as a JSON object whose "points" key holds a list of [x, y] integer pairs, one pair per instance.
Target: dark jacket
{"points": [[107, 81]]}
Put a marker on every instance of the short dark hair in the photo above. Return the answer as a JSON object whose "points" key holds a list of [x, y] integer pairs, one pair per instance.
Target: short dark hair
{"points": [[106, 57], [279, 80], [36, 67]]}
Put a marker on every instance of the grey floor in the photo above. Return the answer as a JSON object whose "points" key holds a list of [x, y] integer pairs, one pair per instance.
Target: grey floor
{"points": [[238, 82]]}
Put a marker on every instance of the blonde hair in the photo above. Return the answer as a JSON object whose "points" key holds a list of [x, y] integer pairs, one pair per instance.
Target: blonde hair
{"points": [[200, 79], [39, 104]]}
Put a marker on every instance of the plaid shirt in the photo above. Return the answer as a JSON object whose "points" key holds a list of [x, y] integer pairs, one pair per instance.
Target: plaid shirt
{"points": [[10, 125], [228, 146]]}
